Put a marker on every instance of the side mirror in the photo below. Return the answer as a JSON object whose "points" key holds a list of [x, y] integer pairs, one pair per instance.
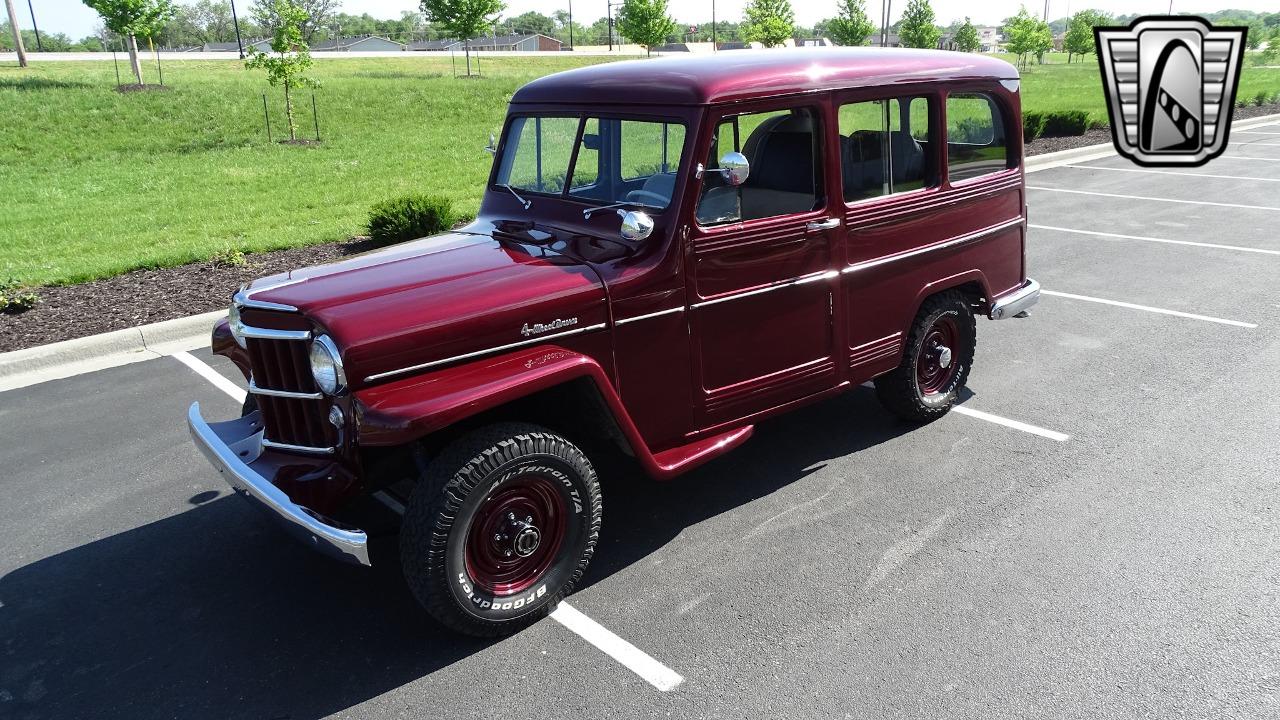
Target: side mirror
{"points": [[636, 225], [492, 147], [735, 168]]}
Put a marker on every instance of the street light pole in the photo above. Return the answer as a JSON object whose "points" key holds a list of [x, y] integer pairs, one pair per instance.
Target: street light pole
{"points": [[570, 24], [17, 34], [714, 44], [235, 21], [39, 47]]}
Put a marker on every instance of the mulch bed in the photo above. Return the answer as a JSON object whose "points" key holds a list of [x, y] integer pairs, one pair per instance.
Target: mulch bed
{"points": [[147, 296]]}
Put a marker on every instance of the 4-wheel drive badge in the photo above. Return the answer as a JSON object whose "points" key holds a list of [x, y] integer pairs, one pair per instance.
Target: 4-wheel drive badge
{"points": [[539, 328], [1171, 85]]}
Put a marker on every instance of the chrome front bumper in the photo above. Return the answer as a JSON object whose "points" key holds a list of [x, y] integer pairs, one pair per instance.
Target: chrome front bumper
{"points": [[1016, 302], [232, 447]]}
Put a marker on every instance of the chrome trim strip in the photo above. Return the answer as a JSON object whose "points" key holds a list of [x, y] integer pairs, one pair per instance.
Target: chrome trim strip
{"points": [[824, 275], [255, 390], [222, 444], [268, 334], [873, 342], [1016, 302], [961, 240], [668, 311], [272, 444], [487, 351], [243, 300]]}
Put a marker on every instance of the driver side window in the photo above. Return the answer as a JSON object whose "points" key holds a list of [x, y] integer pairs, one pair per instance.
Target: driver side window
{"points": [[782, 149]]}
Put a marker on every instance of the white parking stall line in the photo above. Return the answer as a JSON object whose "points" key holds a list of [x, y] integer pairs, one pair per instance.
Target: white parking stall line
{"points": [[213, 376], [1148, 308], [1119, 236], [631, 657], [1172, 172], [1015, 424], [1246, 157], [1153, 199], [1256, 132]]}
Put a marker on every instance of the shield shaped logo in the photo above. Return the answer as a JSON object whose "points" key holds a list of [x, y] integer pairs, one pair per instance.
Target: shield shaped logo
{"points": [[1171, 87]]}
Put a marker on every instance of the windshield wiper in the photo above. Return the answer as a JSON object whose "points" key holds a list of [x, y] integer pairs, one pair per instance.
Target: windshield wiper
{"points": [[586, 214], [523, 202]]}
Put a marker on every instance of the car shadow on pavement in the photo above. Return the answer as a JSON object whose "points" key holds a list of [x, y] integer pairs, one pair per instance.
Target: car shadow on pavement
{"points": [[215, 613]]}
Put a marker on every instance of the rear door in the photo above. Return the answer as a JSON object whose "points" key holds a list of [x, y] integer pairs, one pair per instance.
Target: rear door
{"points": [[761, 260]]}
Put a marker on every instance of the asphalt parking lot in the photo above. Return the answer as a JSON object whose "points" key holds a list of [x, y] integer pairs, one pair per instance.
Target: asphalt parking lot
{"points": [[1110, 552]]}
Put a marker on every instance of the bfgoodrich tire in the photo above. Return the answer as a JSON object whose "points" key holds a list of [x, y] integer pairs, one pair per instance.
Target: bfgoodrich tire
{"points": [[936, 362], [501, 528]]}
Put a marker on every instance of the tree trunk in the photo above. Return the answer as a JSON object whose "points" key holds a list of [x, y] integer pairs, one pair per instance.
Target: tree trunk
{"points": [[288, 111], [466, 48], [17, 34], [134, 61]]}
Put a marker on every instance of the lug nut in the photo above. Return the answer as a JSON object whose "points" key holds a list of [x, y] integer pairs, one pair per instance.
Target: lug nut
{"points": [[511, 516], [529, 519], [497, 536], [508, 553]]}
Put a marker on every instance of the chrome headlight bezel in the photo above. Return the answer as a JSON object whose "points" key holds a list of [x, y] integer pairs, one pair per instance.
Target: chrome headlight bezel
{"points": [[326, 366], [236, 325]]}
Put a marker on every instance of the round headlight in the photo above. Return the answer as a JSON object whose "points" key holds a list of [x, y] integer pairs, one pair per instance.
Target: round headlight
{"points": [[326, 366], [237, 325]]}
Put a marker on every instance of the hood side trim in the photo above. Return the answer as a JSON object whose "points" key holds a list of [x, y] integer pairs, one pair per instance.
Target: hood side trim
{"points": [[486, 351]]}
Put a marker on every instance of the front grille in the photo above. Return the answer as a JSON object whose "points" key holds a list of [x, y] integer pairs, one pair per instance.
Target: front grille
{"points": [[283, 365]]}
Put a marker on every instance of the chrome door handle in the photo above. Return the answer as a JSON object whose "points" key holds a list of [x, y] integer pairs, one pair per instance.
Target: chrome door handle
{"points": [[820, 225]]}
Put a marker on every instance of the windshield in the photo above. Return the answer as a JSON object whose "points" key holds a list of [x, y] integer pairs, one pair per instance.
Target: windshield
{"points": [[617, 161]]}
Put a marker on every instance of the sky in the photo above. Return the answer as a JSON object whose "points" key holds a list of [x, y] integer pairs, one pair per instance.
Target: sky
{"points": [[76, 20]]}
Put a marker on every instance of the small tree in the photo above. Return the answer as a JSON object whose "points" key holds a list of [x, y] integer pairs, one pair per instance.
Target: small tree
{"points": [[131, 18], [289, 57], [1027, 35], [769, 22], [646, 22], [851, 25], [967, 37], [1079, 37], [917, 29], [463, 19]]}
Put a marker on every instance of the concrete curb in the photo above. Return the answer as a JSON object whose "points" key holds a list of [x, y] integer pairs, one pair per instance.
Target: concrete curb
{"points": [[1094, 152], [21, 368]]}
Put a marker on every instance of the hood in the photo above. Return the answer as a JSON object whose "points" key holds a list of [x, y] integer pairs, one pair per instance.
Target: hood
{"points": [[439, 298]]}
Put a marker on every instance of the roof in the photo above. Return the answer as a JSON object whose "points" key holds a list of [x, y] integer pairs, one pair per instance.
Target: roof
{"points": [[345, 42], [744, 74]]}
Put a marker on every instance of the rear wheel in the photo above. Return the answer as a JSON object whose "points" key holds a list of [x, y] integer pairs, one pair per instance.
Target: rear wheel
{"points": [[500, 529], [935, 363]]}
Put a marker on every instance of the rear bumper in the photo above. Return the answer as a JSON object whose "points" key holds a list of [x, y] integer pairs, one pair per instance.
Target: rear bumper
{"points": [[232, 447], [1017, 302]]}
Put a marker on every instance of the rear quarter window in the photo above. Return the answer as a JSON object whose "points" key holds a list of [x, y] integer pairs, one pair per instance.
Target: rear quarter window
{"points": [[976, 137]]}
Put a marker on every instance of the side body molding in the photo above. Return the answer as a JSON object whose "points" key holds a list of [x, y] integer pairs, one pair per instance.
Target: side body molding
{"points": [[406, 410]]}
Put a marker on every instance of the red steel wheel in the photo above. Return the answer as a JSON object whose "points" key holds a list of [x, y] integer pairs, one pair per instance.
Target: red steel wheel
{"points": [[935, 361], [515, 535]]}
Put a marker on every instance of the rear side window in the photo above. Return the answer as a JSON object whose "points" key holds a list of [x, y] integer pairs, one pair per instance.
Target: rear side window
{"points": [[885, 147], [975, 137], [785, 167]]}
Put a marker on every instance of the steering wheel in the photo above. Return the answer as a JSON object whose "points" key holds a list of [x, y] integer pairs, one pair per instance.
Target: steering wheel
{"points": [[647, 197]]}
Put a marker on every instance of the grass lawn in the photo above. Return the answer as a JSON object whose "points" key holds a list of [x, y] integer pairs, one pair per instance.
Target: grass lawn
{"points": [[98, 183]]}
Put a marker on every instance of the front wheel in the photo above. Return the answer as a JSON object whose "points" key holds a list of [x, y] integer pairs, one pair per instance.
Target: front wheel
{"points": [[500, 529], [935, 363]]}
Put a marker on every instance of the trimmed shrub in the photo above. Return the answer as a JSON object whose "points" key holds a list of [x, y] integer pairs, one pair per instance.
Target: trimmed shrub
{"points": [[1063, 123], [1032, 125], [410, 217]]}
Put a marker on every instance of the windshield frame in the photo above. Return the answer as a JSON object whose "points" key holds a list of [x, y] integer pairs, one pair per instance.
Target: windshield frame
{"points": [[678, 168]]}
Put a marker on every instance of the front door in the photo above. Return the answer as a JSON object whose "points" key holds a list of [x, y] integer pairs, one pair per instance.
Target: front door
{"points": [[761, 265]]}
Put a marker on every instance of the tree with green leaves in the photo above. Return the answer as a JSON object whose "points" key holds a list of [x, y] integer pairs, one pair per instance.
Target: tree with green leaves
{"points": [[646, 22], [851, 25], [319, 13], [966, 37], [131, 19], [1079, 37], [769, 22], [1027, 35], [463, 19], [289, 58], [918, 30]]}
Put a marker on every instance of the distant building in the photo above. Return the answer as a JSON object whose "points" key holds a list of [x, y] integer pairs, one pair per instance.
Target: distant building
{"points": [[512, 43], [988, 38], [815, 42], [263, 45], [671, 48], [365, 43], [435, 45], [894, 40]]}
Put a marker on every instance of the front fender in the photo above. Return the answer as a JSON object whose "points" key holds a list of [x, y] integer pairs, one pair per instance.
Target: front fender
{"points": [[407, 410]]}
